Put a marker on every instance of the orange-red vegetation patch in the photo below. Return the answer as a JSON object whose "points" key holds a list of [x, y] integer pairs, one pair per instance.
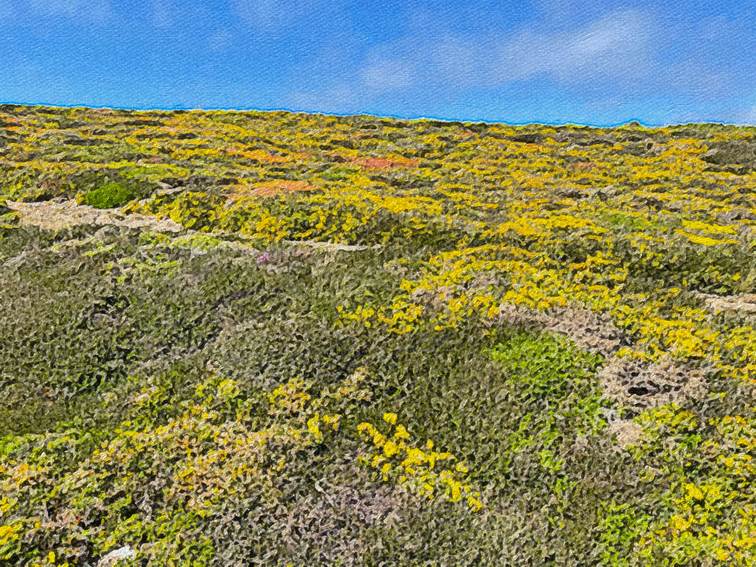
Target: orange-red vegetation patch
{"points": [[280, 186], [386, 163], [10, 122]]}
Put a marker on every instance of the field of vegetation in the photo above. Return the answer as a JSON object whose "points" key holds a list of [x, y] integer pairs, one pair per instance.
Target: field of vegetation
{"points": [[266, 338]]}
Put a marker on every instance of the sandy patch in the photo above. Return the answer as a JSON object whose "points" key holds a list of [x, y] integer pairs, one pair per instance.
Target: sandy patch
{"points": [[57, 215], [744, 304]]}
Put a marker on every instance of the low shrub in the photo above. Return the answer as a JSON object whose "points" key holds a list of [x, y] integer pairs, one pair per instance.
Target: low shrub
{"points": [[108, 196]]}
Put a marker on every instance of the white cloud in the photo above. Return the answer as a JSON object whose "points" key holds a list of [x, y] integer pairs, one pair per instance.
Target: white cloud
{"points": [[608, 50], [747, 117], [556, 8], [220, 40], [457, 60], [270, 15], [162, 13], [387, 74], [85, 10], [614, 47], [6, 10]]}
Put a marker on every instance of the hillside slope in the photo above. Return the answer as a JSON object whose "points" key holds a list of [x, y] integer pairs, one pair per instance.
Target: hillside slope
{"points": [[272, 338]]}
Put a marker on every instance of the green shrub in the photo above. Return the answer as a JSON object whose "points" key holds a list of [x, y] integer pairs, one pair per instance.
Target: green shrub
{"points": [[110, 195]]}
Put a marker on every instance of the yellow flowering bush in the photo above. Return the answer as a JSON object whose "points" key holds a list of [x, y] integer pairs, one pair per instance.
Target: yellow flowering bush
{"points": [[425, 472]]}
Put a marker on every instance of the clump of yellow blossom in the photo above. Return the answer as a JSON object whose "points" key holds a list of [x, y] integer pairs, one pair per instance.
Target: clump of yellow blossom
{"points": [[425, 472]]}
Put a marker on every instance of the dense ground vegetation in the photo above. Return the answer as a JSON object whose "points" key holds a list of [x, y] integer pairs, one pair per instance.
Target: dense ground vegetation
{"points": [[366, 341]]}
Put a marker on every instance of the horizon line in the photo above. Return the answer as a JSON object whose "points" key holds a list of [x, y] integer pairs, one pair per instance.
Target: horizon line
{"points": [[413, 118]]}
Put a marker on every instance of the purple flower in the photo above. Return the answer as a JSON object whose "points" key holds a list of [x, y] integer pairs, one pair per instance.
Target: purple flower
{"points": [[263, 258]]}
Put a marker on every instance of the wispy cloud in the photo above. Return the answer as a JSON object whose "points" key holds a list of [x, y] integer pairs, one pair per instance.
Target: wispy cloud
{"points": [[270, 15], [387, 74], [220, 40], [748, 116], [612, 46], [6, 10], [162, 13], [82, 10], [617, 47]]}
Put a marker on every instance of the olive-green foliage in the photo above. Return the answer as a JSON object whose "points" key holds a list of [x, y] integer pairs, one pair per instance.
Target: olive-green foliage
{"points": [[7, 217], [145, 317], [142, 317]]}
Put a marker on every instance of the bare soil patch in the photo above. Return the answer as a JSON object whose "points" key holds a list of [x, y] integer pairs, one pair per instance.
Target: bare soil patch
{"points": [[61, 214]]}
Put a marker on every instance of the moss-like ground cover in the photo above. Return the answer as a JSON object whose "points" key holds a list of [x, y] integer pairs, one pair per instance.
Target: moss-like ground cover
{"points": [[376, 342]]}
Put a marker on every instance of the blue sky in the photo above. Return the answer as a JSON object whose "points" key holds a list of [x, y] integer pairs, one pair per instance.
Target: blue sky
{"points": [[544, 60]]}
